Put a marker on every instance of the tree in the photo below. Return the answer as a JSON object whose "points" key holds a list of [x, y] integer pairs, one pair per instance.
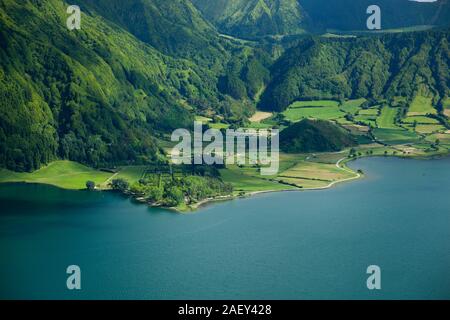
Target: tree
{"points": [[155, 193], [90, 185], [120, 185], [174, 196]]}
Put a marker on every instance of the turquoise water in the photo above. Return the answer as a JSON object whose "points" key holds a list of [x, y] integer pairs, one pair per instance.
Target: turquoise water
{"points": [[295, 245]]}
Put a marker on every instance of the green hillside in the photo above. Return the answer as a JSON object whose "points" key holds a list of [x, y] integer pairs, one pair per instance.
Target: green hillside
{"points": [[250, 18], [315, 136], [379, 67]]}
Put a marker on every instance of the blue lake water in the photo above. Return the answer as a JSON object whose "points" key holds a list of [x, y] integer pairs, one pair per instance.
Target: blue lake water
{"points": [[294, 245]]}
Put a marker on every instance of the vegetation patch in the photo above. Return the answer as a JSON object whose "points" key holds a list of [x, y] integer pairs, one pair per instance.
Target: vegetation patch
{"points": [[315, 136], [421, 106], [352, 106], [395, 136], [387, 118], [63, 174]]}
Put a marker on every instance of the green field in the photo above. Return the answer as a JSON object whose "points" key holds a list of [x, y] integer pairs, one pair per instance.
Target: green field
{"points": [[395, 136], [249, 183], [219, 125], [367, 120], [421, 106], [429, 128], [131, 173], [387, 118], [63, 174], [324, 109], [352, 106], [314, 103], [420, 120], [369, 112]]}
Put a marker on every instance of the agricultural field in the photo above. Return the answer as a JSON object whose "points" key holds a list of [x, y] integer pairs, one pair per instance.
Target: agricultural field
{"points": [[428, 128], [63, 174], [369, 112], [131, 173], [386, 120], [315, 103], [421, 106], [446, 105], [211, 124], [324, 110], [395, 136], [260, 116], [296, 171], [352, 106], [367, 120], [219, 125], [420, 120], [249, 183], [444, 139]]}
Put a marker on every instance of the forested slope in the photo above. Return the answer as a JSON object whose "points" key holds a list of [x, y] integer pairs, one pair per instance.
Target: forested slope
{"points": [[379, 67]]}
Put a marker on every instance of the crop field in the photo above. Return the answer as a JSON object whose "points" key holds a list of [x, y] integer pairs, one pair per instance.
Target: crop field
{"points": [[369, 112], [63, 174], [446, 104], [367, 120], [420, 120], [352, 106], [429, 128], [323, 113], [387, 118], [444, 138], [421, 106], [131, 173], [249, 183], [314, 103], [395, 136], [316, 171]]}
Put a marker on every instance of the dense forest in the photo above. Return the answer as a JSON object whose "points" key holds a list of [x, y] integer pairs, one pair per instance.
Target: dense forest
{"points": [[252, 19], [107, 94], [371, 67], [315, 136]]}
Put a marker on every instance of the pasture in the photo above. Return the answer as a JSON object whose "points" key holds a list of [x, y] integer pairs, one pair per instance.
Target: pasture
{"points": [[64, 174], [421, 106]]}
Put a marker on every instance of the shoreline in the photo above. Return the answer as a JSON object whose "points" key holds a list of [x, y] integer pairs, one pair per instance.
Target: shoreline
{"points": [[190, 208], [340, 162]]}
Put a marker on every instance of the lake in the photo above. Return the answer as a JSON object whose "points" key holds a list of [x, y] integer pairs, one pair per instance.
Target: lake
{"points": [[292, 245]]}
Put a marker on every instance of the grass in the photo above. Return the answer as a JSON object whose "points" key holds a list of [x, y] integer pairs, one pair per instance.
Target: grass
{"points": [[314, 103], [429, 128], [369, 112], [249, 183], [421, 106], [202, 119], [352, 106], [219, 126], [131, 173], [444, 138], [260, 116], [367, 120], [295, 172], [386, 120], [420, 120], [395, 136], [324, 113], [63, 174], [316, 171]]}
